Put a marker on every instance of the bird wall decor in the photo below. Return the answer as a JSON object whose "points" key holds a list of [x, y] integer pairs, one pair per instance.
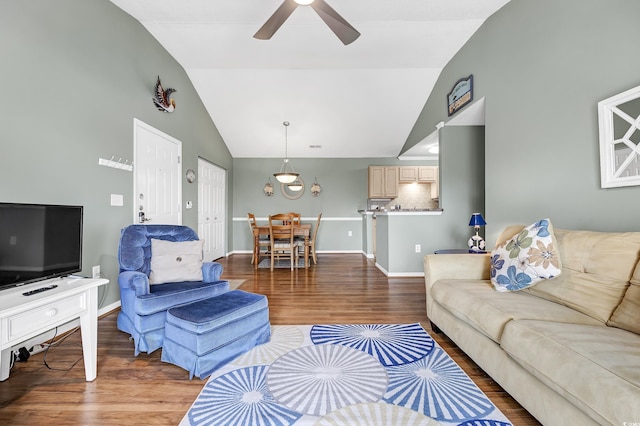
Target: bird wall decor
{"points": [[162, 98]]}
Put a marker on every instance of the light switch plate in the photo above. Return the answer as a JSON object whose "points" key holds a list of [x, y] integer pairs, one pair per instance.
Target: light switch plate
{"points": [[117, 200]]}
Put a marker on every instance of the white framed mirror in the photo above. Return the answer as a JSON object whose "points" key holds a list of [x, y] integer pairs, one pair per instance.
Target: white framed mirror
{"points": [[619, 124], [291, 194]]}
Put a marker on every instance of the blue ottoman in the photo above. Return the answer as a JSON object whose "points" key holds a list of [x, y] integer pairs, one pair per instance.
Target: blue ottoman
{"points": [[205, 335]]}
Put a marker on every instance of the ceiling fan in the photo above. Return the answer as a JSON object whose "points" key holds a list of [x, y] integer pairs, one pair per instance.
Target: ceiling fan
{"points": [[341, 28]]}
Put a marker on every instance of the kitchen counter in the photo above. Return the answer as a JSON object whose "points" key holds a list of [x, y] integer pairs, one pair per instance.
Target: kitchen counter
{"points": [[410, 212], [401, 212]]}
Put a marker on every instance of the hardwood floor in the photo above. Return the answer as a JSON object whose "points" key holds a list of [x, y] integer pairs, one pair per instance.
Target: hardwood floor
{"points": [[341, 289]]}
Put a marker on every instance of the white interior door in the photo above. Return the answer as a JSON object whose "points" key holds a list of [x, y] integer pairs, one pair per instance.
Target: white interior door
{"points": [[157, 189], [211, 208]]}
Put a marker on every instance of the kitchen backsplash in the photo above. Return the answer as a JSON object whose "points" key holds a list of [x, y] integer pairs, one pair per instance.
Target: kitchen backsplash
{"points": [[410, 196]]}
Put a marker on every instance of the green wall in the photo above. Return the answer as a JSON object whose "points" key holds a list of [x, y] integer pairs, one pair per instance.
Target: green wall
{"points": [[542, 66], [462, 193], [74, 75]]}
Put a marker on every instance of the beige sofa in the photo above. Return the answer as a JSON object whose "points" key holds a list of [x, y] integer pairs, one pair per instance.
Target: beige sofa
{"points": [[568, 348]]}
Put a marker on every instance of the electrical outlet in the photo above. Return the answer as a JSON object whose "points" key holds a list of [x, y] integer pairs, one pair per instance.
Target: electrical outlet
{"points": [[350, 234], [95, 271], [418, 248]]}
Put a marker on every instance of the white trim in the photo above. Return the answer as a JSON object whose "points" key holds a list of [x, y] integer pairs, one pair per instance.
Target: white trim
{"points": [[399, 274], [314, 218], [410, 213], [384, 271], [319, 252], [406, 274], [106, 309]]}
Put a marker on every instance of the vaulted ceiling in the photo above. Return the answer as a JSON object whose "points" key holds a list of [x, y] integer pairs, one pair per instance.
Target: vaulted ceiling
{"points": [[356, 100]]}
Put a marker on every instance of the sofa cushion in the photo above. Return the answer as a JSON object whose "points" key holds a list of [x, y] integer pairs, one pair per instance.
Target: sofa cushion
{"points": [[627, 314], [596, 270], [488, 311], [526, 258], [588, 365], [175, 261]]}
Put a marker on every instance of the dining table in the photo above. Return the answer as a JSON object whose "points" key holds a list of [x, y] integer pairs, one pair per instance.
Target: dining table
{"points": [[299, 229]]}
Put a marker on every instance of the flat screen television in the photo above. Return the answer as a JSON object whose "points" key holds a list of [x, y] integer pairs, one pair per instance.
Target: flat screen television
{"points": [[38, 242]]}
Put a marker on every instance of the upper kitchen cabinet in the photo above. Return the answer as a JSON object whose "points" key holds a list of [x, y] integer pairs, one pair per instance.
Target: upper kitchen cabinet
{"points": [[425, 174], [383, 182], [435, 188]]}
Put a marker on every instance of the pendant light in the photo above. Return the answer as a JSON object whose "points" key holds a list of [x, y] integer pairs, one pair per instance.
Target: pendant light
{"points": [[296, 185], [285, 175]]}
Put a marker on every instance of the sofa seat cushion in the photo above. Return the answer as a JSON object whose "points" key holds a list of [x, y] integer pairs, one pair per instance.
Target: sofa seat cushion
{"points": [[589, 365], [478, 304], [165, 296]]}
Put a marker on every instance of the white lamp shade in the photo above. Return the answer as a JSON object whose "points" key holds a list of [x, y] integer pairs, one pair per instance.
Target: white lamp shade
{"points": [[286, 177]]}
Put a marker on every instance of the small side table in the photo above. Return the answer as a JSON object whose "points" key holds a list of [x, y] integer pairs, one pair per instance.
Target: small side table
{"points": [[458, 251]]}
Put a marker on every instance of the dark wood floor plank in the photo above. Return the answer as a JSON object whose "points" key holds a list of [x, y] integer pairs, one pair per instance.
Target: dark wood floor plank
{"points": [[340, 289]]}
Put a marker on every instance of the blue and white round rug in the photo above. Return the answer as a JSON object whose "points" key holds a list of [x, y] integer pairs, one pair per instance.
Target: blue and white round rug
{"points": [[355, 374]]}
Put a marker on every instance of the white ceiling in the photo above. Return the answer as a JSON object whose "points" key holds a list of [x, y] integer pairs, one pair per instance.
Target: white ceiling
{"points": [[360, 100]]}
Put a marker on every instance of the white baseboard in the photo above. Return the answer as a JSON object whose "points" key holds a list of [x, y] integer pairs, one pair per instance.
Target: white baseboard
{"points": [[399, 274]]}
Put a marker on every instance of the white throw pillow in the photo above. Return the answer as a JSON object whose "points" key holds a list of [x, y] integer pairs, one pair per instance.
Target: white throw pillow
{"points": [[175, 261], [527, 258]]}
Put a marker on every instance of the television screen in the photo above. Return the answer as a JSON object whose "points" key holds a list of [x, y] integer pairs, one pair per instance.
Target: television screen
{"points": [[39, 241]]}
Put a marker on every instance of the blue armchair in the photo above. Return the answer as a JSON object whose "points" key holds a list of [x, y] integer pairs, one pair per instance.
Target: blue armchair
{"points": [[144, 306]]}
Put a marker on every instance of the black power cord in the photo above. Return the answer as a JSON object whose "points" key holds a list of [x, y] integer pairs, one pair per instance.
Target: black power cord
{"points": [[58, 343]]}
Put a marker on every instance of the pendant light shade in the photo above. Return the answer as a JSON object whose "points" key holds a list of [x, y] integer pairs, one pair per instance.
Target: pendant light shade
{"points": [[287, 173], [296, 185]]}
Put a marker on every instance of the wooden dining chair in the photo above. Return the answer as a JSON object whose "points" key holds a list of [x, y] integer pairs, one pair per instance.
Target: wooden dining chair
{"points": [[261, 245], [283, 243], [297, 217]]}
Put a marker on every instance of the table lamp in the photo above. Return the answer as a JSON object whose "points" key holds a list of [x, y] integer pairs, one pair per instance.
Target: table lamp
{"points": [[476, 242]]}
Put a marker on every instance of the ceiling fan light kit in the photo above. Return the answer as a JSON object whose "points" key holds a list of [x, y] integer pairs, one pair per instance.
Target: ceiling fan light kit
{"points": [[336, 23]]}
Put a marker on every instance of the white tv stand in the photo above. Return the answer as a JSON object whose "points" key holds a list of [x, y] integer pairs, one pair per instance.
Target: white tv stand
{"points": [[23, 317]]}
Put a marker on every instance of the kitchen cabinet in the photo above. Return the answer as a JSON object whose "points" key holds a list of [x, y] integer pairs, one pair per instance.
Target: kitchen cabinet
{"points": [[408, 174], [427, 173], [435, 189], [383, 182]]}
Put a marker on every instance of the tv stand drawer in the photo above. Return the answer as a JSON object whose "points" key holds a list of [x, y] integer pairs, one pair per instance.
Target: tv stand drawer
{"points": [[44, 317]]}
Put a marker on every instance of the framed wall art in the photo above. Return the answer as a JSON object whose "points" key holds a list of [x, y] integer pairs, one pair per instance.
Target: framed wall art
{"points": [[460, 95], [619, 125]]}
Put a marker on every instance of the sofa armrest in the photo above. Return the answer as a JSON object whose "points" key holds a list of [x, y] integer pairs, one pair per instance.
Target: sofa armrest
{"points": [[134, 280], [454, 267], [211, 272]]}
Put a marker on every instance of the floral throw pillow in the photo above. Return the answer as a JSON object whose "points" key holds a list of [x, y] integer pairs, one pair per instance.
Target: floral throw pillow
{"points": [[527, 258]]}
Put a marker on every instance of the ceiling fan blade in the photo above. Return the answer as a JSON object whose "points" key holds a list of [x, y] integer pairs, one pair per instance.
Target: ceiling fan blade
{"points": [[345, 32], [276, 20]]}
